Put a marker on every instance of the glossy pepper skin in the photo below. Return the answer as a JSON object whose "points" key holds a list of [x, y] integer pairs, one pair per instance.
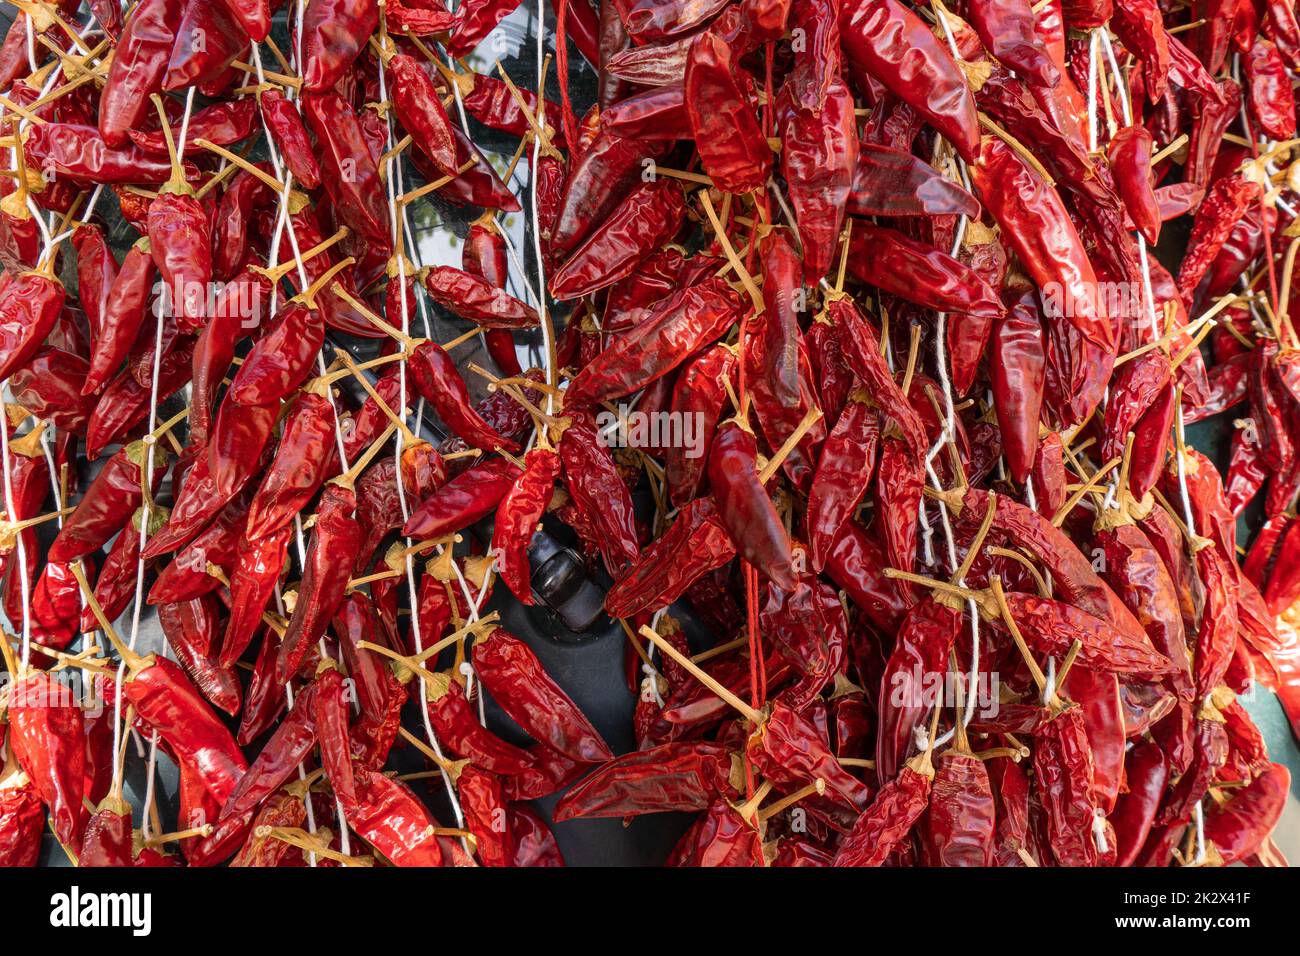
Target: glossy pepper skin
{"points": [[46, 736], [438, 382], [592, 479], [30, 307], [678, 326], [331, 554], [889, 43], [517, 518], [516, 680], [744, 507], [290, 135], [463, 500], [350, 174], [420, 110], [333, 33], [1034, 222], [138, 67]]}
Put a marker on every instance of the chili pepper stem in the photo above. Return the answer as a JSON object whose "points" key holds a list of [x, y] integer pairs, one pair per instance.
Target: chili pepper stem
{"points": [[995, 585], [310, 843], [277, 273], [271, 182], [308, 295], [786, 802], [348, 479], [133, 661], [1097, 478], [811, 418], [164, 838], [176, 183], [409, 197], [405, 340], [749, 713], [392, 416], [978, 541]]}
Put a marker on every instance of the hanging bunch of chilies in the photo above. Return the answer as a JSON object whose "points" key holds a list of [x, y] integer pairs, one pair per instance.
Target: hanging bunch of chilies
{"points": [[974, 599]]}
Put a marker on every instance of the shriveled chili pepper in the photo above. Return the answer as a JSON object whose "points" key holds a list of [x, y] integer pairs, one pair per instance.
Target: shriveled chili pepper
{"points": [[513, 675], [892, 46]]}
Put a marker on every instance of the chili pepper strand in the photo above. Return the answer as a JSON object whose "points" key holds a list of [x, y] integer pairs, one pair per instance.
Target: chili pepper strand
{"points": [[398, 225]]}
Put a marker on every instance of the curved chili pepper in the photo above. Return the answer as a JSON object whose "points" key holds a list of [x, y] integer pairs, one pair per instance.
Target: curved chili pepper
{"points": [[1224, 205], [685, 776], [517, 516], [438, 382], [1035, 224], [96, 274], [458, 729], [911, 270], [694, 544], [1237, 828], [331, 555], [891, 816], [290, 135], [106, 507], [49, 386], [463, 500], [515, 678]]}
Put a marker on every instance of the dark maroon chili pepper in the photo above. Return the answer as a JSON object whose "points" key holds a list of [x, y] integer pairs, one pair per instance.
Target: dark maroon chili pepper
{"points": [[598, 490], [744, 507], [513, 675], [893, 182]]}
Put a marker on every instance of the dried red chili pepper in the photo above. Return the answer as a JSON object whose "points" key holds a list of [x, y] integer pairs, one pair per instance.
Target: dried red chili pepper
{"points": [[513, 675]]}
